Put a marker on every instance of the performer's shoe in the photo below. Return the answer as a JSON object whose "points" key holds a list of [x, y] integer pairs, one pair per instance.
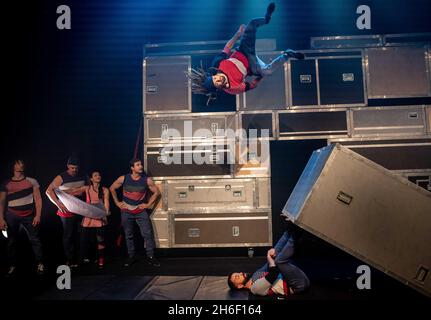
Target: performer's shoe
{"points": [[294, 54], [269, 10], [130, 261], [153, 262], [40, 269], [101, 263]]}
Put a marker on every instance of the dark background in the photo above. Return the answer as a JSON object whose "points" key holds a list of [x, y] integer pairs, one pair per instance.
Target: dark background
{"points": [[80, 90]]}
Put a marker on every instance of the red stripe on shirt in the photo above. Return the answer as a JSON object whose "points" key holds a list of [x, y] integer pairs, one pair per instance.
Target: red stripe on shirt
{"points": [[20, 213], [136, 196]]}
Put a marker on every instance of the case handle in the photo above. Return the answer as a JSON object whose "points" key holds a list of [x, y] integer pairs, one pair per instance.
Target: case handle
{"points": [[344, 198], [422, 274], [305, 78]]}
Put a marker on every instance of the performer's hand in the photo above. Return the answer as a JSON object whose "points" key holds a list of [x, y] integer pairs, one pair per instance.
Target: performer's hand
{"points": [[36, 221], [143, 206], [271, 252], [121, 205], [270, 259], [3, 224], [62, 207]]}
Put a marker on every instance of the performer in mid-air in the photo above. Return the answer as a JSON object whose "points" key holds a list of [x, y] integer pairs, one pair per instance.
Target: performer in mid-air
{"points": [[231, 67]]}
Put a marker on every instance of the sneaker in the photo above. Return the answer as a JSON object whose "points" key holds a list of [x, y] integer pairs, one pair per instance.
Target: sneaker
{"points": [[269, 10], [130, 261], [294, 54], [40, 269], [153, 262], [11, 271]]}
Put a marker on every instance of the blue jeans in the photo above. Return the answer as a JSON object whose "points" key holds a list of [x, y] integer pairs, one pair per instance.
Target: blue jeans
{"points": [[295, 278], [247, 46], [143, 221], [14, 222]]}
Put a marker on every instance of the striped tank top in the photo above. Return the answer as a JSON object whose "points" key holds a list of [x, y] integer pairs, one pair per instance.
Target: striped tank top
{"points": [[134, 192]]}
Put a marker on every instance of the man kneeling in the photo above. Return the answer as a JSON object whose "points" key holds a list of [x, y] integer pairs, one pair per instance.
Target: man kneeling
{"points": [[278, 276]]}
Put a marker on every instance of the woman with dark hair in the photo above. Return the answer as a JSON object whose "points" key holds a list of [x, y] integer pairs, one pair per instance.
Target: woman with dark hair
{"points": [[92, 228]]}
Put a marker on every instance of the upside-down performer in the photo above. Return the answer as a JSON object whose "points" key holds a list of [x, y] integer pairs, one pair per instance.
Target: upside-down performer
{"points": [[231, 67]]}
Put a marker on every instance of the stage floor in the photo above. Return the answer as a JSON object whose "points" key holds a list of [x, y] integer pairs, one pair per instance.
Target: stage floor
{"points": [[203, 278]]}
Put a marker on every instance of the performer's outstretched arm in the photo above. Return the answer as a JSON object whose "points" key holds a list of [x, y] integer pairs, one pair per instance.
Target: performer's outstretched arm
{"points": [[229, 45]]}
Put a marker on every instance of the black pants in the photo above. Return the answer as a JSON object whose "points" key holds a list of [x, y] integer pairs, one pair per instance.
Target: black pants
{"points": [[90, 236], [247, 46], [14, 222], [71, 228]]}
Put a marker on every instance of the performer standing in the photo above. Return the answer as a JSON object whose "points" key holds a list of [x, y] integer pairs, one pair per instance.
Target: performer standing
{"points": [[92, 228], [230, 68], [22, 195], [134, 209], [66, 180]]}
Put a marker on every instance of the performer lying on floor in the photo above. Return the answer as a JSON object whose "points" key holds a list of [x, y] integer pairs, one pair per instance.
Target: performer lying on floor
{"points": [[277, 276], [230, 68]]}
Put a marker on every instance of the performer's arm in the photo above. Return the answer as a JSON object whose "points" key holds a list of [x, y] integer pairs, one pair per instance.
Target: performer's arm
{"points": [[261, 286], [76, 191], [38, 204], [3, 224], [226, 51], [229, 45], [155, 190], [51, 193], [243, 87], [113, 188]]}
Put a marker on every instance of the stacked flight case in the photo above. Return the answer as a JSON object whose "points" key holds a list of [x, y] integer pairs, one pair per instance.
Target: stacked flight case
{"points": [[215, 185], [374, 214], [224, 199]]}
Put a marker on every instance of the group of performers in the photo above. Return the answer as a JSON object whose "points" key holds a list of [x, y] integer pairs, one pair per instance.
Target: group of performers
{"points": [[21, 201], [21, 206]]}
